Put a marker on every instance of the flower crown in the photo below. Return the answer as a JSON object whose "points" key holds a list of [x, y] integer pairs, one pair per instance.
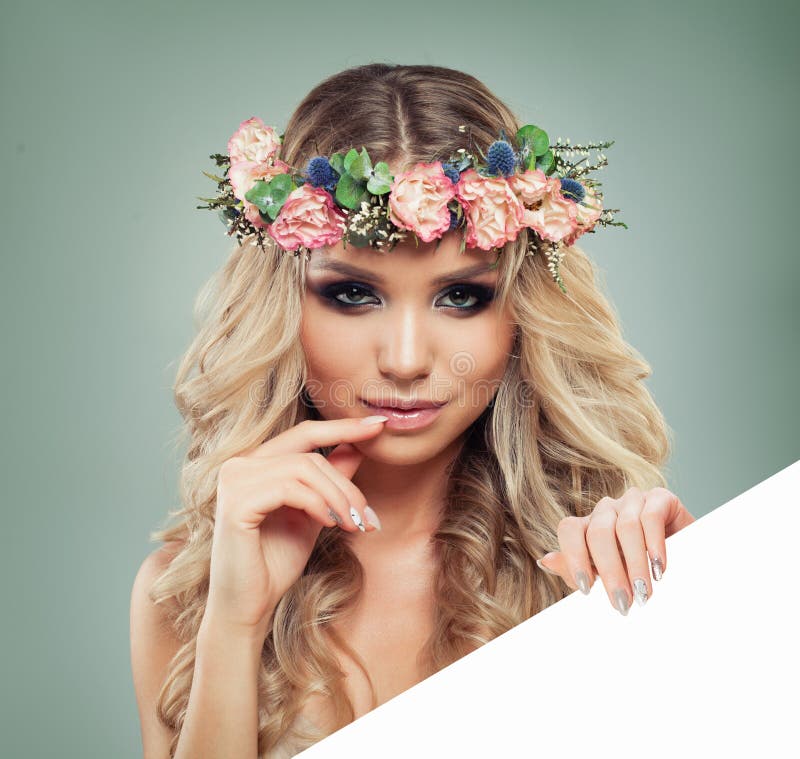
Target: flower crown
{"points": [[345, 197]]}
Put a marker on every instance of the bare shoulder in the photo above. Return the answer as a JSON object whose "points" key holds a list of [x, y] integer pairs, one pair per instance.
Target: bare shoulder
{"points": [[153, 644]]}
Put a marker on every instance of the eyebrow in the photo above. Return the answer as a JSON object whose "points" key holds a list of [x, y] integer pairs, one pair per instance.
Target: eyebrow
{"points": [[354, 271]]}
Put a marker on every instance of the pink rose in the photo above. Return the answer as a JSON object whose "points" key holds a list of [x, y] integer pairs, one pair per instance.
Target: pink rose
{"points": [[418, 201], [244, 174], [494, 213], [309, 218], [530, 186], [589, 211], [556, 216], [253, 141]]}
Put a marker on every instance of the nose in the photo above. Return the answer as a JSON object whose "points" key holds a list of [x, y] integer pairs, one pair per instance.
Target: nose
{"points": [[406, 347]]}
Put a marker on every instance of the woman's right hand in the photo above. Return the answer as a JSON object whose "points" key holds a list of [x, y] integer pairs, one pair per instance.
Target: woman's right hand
{"points": [[272, 502]]}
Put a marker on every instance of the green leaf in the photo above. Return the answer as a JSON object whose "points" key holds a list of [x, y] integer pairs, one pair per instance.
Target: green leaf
{"points": [[217, 179], [352, 155], [349, 192], [337, 163], [361, 166], [534, 137], [546, 162], [270, 196], [381, 180]]}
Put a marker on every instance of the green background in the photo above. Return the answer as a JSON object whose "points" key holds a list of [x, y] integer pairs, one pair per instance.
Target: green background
{"points": [[109, 113]]}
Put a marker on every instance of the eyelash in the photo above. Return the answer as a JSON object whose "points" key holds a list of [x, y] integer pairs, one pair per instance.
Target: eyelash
{"points": [[482, 293]]}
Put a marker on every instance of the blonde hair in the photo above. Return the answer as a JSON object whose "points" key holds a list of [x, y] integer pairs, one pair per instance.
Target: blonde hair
{"points": [[571, 423]]}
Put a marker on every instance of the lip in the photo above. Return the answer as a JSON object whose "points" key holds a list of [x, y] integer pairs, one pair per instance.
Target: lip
{"points": [[407, 419], [408, 405]]}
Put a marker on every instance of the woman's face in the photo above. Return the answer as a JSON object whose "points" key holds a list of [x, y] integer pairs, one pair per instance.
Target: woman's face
{"points": [[405, 324]]}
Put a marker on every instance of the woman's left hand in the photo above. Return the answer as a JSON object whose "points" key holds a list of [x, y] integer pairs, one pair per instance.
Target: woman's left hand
{"points": [[638, 523]]}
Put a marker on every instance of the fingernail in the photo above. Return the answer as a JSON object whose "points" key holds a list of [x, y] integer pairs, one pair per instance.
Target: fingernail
{"points": [[640, 591], [583, 582], [658, 568], [374, 419], [336, 518], [621, 601], [542, 566], [356, 517], [372, 517]]}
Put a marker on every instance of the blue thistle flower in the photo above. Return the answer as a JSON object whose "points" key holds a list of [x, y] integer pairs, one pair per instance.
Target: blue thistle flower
{"points": [[500, 158], [320, 173], [572, 189], [453, 220], [451, 172]]}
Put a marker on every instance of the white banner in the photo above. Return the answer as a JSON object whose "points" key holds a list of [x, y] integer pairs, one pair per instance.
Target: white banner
{"points": [[708, 666]]}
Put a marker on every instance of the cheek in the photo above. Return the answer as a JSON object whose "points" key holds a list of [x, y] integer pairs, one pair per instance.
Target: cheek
{"points": [[331, 352], [483, 350]]}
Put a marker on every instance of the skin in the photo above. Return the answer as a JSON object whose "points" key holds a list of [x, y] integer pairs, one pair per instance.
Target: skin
{"points": [[409, 339]]}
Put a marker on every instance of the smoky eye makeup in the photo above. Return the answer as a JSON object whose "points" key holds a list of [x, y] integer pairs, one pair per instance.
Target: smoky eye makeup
{"points": [[460, 298]]}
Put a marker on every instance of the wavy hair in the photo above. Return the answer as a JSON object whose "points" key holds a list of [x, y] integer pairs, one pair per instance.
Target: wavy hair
{"points": [[571, 422]]}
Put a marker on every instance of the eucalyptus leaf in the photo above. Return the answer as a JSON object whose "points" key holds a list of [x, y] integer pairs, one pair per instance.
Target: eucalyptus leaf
{"points": [[534, 137], [350, 156], [546, 162], [337, 163], [270, 196], [541, 142], [381, 180], [349, 192], [378, 186]]}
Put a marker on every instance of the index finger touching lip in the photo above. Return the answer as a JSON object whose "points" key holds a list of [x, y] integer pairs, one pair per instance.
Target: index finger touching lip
{"points": [[311, 434]]}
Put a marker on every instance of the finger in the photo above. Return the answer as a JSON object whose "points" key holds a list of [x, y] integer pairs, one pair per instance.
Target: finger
{"points": [[662, 510], [344, 457], [298, 495], [316, 433], [575, 557], [307, 471], [631, 539], [601, 537]]}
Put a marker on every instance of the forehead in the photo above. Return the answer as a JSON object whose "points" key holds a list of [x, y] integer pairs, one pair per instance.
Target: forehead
{"points": [[405, 262]]}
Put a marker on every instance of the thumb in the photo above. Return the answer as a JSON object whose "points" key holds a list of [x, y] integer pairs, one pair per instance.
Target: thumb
{"points": [[555, 564]]}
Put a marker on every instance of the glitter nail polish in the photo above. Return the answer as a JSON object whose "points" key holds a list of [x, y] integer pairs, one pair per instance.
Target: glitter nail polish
{"points": [[356, 517], [640, 591]]}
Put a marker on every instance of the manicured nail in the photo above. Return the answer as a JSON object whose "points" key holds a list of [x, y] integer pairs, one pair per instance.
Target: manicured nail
{"points": [[640, 591], [356, 517], [583, 582], [374, 419], [542, 566], [658, 568], [336, 518], [621, 601], [372, 517]]}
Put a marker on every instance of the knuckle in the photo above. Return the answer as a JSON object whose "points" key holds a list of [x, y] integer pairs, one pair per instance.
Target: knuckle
{"points": [[225, 468], [566, 522], [627, 520], [318, 503], [601, 523]]}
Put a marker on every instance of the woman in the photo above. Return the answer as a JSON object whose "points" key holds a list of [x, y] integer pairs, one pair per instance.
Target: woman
{"points": [[322, 565]]}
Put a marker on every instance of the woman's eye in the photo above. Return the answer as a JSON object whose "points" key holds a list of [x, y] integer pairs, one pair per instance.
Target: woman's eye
{"points": [[460, 296], [467, 298], [352, 292]]}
